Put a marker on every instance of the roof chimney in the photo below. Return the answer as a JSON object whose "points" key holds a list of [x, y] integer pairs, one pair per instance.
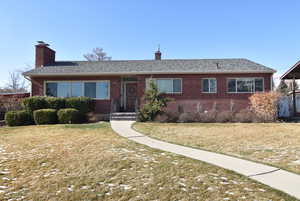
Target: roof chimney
{"points": [[158, 54], [43, 55]]}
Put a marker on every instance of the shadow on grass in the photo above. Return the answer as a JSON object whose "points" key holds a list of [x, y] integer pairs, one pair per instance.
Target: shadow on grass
{"points": [[88, 126]]}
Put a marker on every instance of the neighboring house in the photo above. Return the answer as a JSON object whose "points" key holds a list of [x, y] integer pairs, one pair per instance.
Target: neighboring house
{"points": [[18, 95], [293, 74], [119, 85]]}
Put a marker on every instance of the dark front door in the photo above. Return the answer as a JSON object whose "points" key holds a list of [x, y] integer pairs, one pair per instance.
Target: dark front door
{"points": [[131, 96]]}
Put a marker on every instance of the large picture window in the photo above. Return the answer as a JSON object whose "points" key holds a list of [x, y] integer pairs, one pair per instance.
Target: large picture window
{"points": [[245, 85], [92, 89], [209, 85], [169, 85]]}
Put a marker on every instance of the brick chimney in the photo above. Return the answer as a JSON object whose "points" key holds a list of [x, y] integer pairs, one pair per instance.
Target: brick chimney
{"points": [[158, 54], [43, 55]]}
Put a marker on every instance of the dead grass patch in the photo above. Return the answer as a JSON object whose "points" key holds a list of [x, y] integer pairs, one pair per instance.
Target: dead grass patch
{"points": [[276, 144], [90, 162]]}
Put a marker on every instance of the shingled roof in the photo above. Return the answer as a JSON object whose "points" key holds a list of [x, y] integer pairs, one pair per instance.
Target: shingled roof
{"points": [[167, 66]]}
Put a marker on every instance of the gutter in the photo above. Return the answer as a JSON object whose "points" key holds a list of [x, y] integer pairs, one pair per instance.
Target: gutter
{"points": [[140, 73]]}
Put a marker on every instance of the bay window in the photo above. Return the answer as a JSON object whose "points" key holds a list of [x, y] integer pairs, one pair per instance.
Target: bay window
{"points": [[92, 89], [245, 85]]}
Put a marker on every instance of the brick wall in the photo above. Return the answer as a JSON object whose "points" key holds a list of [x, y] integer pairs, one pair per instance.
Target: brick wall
{"points": [[102, 106], [192, 94], [191, 90]]}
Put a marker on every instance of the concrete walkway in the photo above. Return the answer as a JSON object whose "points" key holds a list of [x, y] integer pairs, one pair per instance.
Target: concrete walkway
{"points": [[276, 178]]}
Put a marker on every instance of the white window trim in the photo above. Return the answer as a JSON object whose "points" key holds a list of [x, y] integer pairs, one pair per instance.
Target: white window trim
{"points": [[82, 88], [209, 78], [172, 85], [236, 78]]}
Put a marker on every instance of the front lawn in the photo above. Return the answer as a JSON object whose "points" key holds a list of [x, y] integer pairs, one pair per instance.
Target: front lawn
{"points": [[91, 162], [277, 144]]}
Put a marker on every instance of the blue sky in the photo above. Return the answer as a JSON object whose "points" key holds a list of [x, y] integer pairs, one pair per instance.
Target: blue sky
{"points": [[267, 32]]}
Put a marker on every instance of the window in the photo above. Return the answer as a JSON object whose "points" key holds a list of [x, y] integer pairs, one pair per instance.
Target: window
{"points": [[245, 85], [102, 90], [90, 89], [96, 89], [169, 85], [209, 85], [76, 89], [51, 89], [63, 89]]}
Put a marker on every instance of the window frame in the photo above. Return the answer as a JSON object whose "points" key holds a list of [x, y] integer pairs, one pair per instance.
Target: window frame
{"points": [[172, 85], [252, 78], [82, 86], [209, 78]]}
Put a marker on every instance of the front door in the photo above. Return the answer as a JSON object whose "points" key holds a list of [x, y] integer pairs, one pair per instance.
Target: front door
{"points": [[131, 96]]}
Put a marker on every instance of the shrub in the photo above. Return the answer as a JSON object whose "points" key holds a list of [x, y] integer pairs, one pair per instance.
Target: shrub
{"points": [[82, 104], [10, 104], [55, 103], [224, 116], [167, 116], [45, 116], [155, 102], [264, 106], [68, 116], [2, 115], [244, 116], [187, 117], [207, 116], [18, 118], [162, 118], [93, 117], [34, 103], [172, 116]]}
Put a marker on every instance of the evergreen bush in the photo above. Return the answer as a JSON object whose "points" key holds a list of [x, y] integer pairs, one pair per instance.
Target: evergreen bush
{"points": [[45, 116]]}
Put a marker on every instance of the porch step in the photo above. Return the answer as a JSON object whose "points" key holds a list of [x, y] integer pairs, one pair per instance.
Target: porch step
{"points": [[125, 116]]}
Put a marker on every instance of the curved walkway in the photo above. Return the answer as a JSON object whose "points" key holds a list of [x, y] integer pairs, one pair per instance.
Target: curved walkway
{"points": [[276, 178]]}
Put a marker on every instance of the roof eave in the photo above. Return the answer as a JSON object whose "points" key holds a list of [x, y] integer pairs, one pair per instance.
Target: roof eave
{"points": [[139, 73], [289, 70]]}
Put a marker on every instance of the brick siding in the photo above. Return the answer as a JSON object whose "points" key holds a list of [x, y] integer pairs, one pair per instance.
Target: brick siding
{"points": [[190, 97]]}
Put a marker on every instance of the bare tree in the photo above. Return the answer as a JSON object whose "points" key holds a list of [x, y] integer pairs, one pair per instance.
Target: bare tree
{"points": [[16, 83], [97, 55]]}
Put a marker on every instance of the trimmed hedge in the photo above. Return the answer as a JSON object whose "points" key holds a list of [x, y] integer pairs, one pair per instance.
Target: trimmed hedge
{"points": [[34, 103], [43, 109], [45, 116], [18, 118], [55, 103], [82, 104], [69, 116]]}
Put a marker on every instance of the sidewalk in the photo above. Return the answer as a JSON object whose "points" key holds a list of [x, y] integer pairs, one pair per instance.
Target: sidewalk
{"points": [[276, 178]]}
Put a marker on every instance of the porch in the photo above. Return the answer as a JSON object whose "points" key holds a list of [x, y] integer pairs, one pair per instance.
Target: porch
{"points": [[294, 74], [128, 101]]}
